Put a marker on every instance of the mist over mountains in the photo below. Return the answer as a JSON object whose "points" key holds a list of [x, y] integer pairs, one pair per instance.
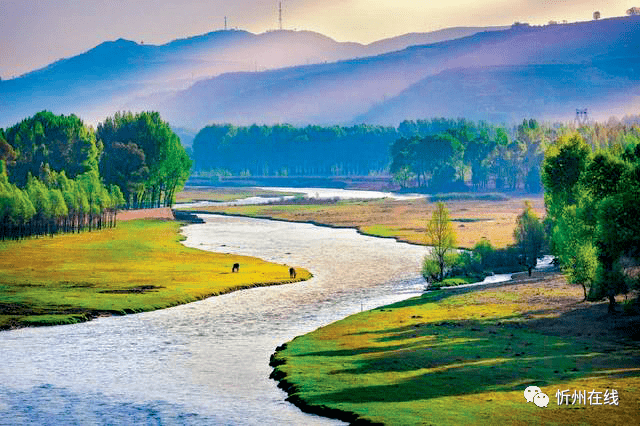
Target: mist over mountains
{"points": [[300, 77]]}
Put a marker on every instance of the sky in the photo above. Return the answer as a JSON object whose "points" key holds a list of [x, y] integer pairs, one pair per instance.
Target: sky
{"points": [[34, 33]]}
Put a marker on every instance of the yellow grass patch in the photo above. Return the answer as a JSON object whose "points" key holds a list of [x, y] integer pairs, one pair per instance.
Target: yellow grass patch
{"points": [[138, 266], [404, 220]]}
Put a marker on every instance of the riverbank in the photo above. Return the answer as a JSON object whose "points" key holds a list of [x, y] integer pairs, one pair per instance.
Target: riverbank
{"points": [[465, 356], [403, 220], [138, 266]]}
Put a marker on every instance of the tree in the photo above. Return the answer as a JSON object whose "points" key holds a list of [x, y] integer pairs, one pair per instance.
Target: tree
{"points": [[634, 11], [442, 239], [143, 156], [563, 164], [617, 236], [529, 236], [61, 143], [596, 15]]}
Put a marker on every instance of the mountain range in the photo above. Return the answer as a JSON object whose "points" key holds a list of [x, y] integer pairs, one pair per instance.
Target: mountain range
{"points": [[497, 74], [109, 77]]}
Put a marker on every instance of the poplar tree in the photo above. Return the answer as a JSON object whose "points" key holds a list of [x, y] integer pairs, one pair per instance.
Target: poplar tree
{"points": [[441, 237]]}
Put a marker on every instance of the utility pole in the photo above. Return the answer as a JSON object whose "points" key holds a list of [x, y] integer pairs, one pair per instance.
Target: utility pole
{"points": [[225, 23], [280, 15]]}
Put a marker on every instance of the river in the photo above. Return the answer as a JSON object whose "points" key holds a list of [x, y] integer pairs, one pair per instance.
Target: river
{"points": [[204, 362], [312, 193]]}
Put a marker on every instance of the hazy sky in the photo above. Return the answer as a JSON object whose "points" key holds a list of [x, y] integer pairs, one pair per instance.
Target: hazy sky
{"points": [[34, 33]]}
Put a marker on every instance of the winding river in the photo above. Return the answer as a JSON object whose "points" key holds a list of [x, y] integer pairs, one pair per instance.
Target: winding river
{"points": [[205, 362]]}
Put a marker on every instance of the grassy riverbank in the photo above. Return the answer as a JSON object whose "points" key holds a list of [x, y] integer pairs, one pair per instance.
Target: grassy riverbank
{"points": [[138, 266], [403, 220], [452, 358]]}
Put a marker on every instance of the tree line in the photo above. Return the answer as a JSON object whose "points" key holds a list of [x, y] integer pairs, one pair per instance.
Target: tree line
{"points": [[59, 175], [440, 155], [284, 150], [436, 155], [592, 213]]}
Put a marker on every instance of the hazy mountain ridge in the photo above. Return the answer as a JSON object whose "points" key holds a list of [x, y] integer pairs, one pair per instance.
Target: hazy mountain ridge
{"points": [[115, 73], [356, 90], [344, 83], [507, 94]]}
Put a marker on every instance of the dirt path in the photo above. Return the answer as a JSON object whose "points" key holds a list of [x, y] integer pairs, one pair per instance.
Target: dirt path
{"points": [[158, 213]]}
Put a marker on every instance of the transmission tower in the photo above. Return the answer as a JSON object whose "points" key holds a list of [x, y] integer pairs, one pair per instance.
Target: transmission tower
{"points": [[581, 116]]}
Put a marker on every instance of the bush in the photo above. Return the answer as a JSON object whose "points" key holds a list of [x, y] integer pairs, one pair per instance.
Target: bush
{"points": [[430, 270]]}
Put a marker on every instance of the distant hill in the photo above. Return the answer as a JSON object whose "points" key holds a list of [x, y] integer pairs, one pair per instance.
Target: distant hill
{"points": [[124, 74], [415, 39], [507, 94], [499, 75]]}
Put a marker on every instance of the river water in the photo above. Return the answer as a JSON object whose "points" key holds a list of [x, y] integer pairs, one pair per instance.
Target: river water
{"points": [[204, 362], [313, 193]]}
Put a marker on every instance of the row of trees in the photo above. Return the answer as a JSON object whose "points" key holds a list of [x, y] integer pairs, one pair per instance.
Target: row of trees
{"points": [[593, 210], [464, 152], [286, 150], [433, 155], [446, 154], [591, 227], [59, 175]]}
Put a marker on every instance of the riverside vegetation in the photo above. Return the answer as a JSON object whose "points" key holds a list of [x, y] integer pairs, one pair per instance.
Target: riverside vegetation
{"points": [[138, 266], [456, 358], [452, 358], [59, 175]]}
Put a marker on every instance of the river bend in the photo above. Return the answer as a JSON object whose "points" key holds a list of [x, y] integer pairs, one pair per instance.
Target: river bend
{"points": [[204, 362]]}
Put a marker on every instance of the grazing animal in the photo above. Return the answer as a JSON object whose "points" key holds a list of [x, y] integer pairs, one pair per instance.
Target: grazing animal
{"points": [[236, 267], [292, 272]]}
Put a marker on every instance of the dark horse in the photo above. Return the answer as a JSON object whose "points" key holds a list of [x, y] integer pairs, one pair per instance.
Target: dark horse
{"points": [[292, 272], [236, 267]]}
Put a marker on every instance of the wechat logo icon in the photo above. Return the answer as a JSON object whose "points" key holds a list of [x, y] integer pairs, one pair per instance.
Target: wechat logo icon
{"points": [[534, 394]]}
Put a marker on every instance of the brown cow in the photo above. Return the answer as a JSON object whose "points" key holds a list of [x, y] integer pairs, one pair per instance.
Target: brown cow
{"points": [[236, 267], [292, 272]]}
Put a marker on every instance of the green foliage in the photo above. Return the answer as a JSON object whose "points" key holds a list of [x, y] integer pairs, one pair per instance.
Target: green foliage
{"points": [[430, 269], [52, 180], [583, 269], [442, 239], [529, 236], [312, 150], [144, 157], [564, 162], [62, 143], [39, 196], [593, 211], [603, 174]]}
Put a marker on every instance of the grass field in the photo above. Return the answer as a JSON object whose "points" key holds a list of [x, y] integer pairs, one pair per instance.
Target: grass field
{"points": [[138, 266], [403, 220], [450, 358]]}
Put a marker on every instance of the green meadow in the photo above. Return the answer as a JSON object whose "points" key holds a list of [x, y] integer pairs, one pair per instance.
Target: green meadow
{"points": [[452, 358], [138, 266]]}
